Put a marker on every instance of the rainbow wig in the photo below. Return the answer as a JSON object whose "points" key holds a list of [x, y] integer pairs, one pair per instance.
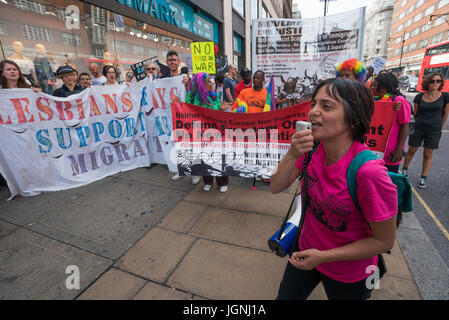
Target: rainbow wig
{"points": [[355, 66], [198, 88]]}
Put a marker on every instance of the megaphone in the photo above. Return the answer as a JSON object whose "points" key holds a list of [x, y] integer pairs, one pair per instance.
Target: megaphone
{"points": [[281, 244]]}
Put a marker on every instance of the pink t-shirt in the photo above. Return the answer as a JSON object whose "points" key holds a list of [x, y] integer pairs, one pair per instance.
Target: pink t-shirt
{"points": [[402, 116], [332, 219]]}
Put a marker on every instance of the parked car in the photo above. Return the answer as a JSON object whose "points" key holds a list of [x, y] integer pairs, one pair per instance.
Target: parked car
{"points": [[408, 83]]}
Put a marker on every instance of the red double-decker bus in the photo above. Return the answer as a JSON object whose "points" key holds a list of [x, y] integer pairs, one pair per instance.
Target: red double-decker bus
{"points": [[436, 59]]}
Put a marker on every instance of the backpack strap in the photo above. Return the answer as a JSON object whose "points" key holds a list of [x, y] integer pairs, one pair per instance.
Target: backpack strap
{"points": [[351, 175]]}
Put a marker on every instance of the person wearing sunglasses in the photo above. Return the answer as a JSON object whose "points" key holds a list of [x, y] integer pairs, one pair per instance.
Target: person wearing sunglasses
{"points": [[152, 70], [431, 109]]}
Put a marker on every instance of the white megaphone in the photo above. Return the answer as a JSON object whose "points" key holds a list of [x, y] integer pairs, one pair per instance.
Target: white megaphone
{"points": [[282, 244]]}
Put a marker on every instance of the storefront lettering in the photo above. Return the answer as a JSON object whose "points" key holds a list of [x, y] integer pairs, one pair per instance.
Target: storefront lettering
{"points": [[159, 9]]}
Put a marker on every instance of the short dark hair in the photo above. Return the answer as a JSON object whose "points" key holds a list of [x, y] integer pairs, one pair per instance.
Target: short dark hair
{"points": [[219, 77], [84, 74], [263, 73], [357, 101], [389, 82], [172, 53], [426, 81], [106, 69], [185, 70]]}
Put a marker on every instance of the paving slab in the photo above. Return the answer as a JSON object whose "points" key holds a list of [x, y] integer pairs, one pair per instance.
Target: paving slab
{"points": [[154, 291], [258, 201], [211, 198], [156, 255], [158, 175], [429, 271], [114, 285], [130, 211], [183, 217], [394, 288], [396, 264], [34, 267], [33, 209], [237, 227], [219, 271], [6, 229]]}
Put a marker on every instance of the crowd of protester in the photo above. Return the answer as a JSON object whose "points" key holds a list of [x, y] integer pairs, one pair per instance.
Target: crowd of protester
{"points": [[337, 247], [246, 94]]}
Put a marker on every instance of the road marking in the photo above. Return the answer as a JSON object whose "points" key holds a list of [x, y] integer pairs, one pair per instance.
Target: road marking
{"points": [[445, 131], [431, 214]]}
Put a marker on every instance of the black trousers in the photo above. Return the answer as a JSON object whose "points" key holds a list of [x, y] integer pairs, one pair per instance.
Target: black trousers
{"points": [[221, 181], [298, 285]]}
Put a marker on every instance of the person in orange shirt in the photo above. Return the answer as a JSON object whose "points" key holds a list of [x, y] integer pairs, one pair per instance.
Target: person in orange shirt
{"points": [[252, 100]]}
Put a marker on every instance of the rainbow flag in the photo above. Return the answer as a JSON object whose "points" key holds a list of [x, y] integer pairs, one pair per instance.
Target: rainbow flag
{"points": [[270, 103]]}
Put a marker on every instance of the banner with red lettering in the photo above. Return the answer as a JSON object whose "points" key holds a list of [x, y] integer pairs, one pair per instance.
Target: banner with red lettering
{"points": [[49, 143], [216, 143]]}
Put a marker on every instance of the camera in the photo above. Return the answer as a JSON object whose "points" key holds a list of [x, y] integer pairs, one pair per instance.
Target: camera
{"points": [[281, 244]]}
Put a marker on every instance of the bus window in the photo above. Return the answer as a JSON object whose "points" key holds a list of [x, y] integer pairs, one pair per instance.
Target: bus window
{"points": [[442, 70], [437, 50]]}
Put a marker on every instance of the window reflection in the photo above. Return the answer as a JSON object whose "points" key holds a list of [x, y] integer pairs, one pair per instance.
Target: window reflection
{"points": [[35, 34]]}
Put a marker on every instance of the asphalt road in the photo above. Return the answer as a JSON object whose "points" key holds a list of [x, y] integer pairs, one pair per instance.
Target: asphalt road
{"points": [[435, 196]]}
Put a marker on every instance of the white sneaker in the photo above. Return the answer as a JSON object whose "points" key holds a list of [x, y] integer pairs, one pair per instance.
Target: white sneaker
{"points": [[196, 179], [223, 189], [207, 187], [176, 177]]}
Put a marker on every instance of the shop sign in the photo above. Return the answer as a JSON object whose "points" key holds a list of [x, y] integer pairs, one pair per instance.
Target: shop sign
{"points": [[159, 9]]}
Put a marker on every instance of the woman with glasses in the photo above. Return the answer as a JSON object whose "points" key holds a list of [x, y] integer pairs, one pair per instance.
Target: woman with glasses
{"points": [[111, 74], [431, 109]]}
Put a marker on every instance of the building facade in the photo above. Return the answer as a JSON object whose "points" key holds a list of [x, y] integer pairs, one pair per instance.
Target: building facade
{"points": [[416, 25], [377, 31], [296, 12], [124, 32]]}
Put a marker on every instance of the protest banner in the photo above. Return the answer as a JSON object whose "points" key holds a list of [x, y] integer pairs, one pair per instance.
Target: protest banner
{"points": [[49, 143], [156, 101], [209, 142], [300, 53], [203, 57]]}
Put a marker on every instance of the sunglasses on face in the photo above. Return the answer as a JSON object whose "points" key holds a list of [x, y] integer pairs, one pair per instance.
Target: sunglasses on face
{"points": [[150, 69], [435, 81]]}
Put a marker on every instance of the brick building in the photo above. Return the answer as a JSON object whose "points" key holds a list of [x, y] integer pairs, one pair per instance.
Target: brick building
{"points": [[416, 25]]}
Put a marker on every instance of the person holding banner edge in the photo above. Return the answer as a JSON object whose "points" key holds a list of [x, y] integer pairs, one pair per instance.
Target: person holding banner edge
{"points": [[202, 93], [338, 244]]}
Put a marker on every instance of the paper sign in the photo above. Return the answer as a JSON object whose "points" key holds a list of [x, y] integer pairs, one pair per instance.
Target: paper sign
{"points": [[138, 68], [378, 64], [203, 57]]}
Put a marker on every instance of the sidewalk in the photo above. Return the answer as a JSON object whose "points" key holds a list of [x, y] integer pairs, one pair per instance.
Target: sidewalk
{"points": [[140, 235]]}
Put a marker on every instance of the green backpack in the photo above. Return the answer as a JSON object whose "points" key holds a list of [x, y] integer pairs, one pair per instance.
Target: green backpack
{"points": [[403, 185]]}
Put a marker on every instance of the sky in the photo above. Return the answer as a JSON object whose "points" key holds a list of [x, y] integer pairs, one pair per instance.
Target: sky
{"points": [[315, 8]]}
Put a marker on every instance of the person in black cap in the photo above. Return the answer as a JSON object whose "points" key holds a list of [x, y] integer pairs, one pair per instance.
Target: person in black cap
{"points": [[246, 82], [69, 76]]}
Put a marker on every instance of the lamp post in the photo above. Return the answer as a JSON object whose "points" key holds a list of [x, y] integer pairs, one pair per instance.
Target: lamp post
{"points": [[402, 47], [442, 16]]}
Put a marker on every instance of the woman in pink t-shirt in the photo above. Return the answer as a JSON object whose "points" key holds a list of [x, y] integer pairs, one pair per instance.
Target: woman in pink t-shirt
{"points": [[386, 88], [338, 245]]}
